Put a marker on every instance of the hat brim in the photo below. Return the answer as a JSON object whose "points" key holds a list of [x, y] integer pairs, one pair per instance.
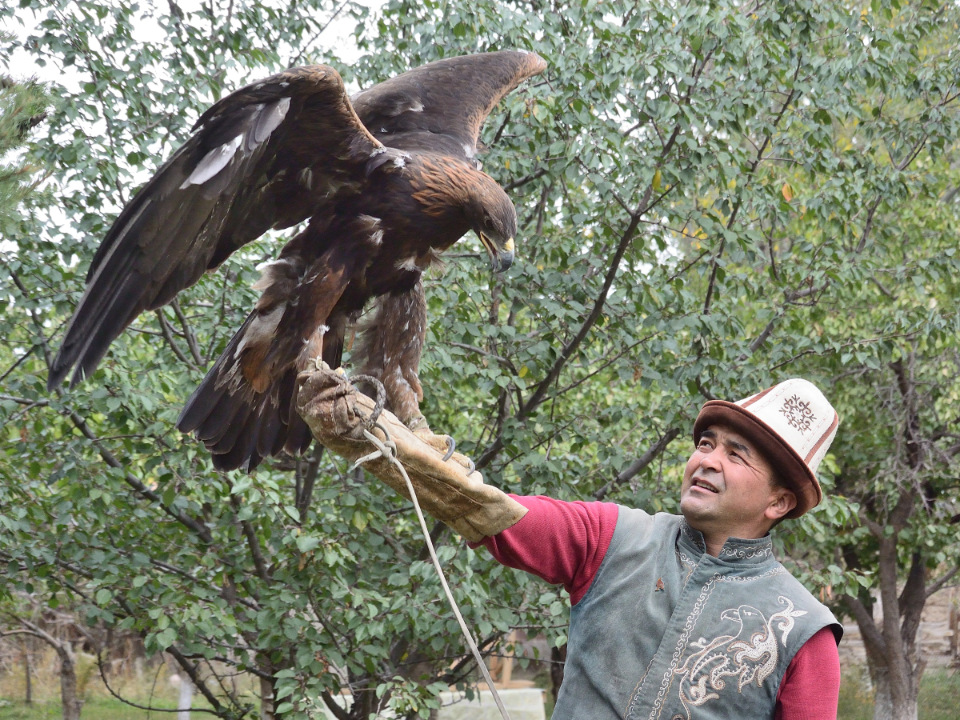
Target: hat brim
{"points": [[787, 464]]}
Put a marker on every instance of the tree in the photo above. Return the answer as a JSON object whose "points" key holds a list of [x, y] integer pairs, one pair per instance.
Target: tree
{"points": [[712, 196], [22, 107], [23, 619], [897, 461]]}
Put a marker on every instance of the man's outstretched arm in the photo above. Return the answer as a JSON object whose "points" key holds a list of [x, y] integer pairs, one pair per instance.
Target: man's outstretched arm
{"points": [[561, 542]]}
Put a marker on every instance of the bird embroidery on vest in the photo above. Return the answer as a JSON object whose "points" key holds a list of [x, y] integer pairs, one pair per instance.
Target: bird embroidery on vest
{"points": [[749, 654]]}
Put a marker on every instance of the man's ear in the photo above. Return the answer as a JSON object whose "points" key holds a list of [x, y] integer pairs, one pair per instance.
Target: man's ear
{"points": [[783, 502]]}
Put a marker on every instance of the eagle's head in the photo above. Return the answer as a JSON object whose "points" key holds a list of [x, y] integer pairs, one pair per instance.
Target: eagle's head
{"points": [[462, 198], [494, 220]]}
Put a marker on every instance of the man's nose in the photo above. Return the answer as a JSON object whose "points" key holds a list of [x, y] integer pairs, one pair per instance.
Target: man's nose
{"points": [[711, 460]]}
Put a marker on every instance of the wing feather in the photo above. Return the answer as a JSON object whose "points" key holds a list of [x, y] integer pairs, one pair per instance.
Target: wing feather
{"points": [[240, 174], [442, 105]]}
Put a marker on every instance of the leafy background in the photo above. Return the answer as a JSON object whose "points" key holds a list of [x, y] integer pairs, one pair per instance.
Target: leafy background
{"points": [[712, 197]]}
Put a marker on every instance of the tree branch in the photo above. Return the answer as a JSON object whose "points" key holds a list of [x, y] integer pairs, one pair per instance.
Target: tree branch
{"points": [[868, 628], [188, 333], [942, 582], [110, 459], [167, 332], [252, 542], [640, 463], [570, 348]]}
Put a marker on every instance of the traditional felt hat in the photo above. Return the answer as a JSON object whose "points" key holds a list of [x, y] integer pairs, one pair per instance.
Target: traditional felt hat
{"points": [[792, 424]]}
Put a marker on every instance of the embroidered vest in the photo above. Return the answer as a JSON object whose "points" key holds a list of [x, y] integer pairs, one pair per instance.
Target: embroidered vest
{"points": [[669, 632]]}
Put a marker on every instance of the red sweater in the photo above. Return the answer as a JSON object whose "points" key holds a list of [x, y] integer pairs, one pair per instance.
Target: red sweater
{"points": [[564, 543]]}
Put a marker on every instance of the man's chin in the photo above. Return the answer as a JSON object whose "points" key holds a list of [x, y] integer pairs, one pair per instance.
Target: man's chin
{"points": [[694, 510]]}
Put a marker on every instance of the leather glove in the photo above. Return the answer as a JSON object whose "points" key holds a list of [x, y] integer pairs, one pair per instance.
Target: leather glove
{"points": [[449, 491]]}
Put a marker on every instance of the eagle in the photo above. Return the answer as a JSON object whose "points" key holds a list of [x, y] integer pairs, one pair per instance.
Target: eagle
{"points": [[386, 181]]}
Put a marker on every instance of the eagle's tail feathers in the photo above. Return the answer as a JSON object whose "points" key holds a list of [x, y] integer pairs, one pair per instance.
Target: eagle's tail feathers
{"points": [[243, 452], [298, 437], [239, 425]]}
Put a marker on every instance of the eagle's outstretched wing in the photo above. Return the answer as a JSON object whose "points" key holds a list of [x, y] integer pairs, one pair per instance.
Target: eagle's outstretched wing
{"points": [[265, 156], [441, 106]]}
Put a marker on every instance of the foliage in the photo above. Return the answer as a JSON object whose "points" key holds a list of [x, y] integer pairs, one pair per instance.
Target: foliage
{"points": [[22, 107], [712, 197]]}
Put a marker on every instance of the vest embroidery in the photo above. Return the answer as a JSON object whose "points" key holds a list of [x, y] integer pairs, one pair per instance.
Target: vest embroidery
{"points": [[746, 553], [749, 654], [676, 670], [677, 652]]}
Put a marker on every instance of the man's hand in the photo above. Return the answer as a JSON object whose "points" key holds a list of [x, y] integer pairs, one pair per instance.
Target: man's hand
{"points": [[451, 491], [329, 399]]}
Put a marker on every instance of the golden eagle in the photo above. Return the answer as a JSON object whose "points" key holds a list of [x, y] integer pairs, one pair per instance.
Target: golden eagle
{"points": [[387, 180]]}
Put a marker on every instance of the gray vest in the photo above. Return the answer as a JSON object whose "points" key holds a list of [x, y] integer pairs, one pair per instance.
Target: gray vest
{"points": [[668, 631]]}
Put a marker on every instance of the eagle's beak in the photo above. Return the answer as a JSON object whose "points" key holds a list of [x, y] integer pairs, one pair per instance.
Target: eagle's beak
{"points": [[500, 257]]}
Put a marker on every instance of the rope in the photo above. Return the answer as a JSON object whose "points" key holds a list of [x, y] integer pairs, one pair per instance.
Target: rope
{"points": [[388, 449]]}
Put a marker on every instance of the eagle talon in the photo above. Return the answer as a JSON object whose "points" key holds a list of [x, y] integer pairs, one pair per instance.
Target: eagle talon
{"points": [[381, 399], [452, 445]]}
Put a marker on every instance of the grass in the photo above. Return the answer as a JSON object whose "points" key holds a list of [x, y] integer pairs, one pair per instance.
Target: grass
{"points": [[100, 708], [939, 695], [939, 700], [155, 686], [856, 698]]}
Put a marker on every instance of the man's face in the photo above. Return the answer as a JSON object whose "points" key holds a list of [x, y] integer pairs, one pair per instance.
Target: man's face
{"points": [[727, 489]]}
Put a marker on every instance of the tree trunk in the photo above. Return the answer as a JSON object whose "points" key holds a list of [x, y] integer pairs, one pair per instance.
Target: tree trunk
{"points": [[68, 682], [27, 680], [896, 697], [186, 698], [267, 711], [891, 643]]}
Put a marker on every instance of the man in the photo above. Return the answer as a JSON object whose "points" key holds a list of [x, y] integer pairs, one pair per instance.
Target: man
{"points": [[673, 617]]}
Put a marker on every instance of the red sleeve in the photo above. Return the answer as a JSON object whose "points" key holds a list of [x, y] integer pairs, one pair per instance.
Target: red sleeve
{"points": [[562, 542], [810, 688]]}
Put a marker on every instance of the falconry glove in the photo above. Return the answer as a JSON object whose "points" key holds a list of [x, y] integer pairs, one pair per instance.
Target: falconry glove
{"points": [[448, 490]]}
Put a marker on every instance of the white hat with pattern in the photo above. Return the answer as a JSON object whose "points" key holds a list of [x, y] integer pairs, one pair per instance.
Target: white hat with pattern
{"points": [[791, 423]]}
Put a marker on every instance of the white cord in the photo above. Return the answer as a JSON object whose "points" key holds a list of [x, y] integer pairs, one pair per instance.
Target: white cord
{"points": [[388, 450]]}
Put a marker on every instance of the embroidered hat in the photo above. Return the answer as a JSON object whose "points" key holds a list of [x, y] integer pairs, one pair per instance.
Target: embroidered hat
{"points": [[791, 423]]}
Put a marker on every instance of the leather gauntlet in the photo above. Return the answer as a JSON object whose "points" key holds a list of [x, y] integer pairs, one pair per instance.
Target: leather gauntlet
{"points": [[336, 415]]}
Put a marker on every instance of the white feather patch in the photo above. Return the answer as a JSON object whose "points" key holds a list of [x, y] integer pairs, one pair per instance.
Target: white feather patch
{"points": [[375, 233], [306, 178], [409, 264], [213, 162]]}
